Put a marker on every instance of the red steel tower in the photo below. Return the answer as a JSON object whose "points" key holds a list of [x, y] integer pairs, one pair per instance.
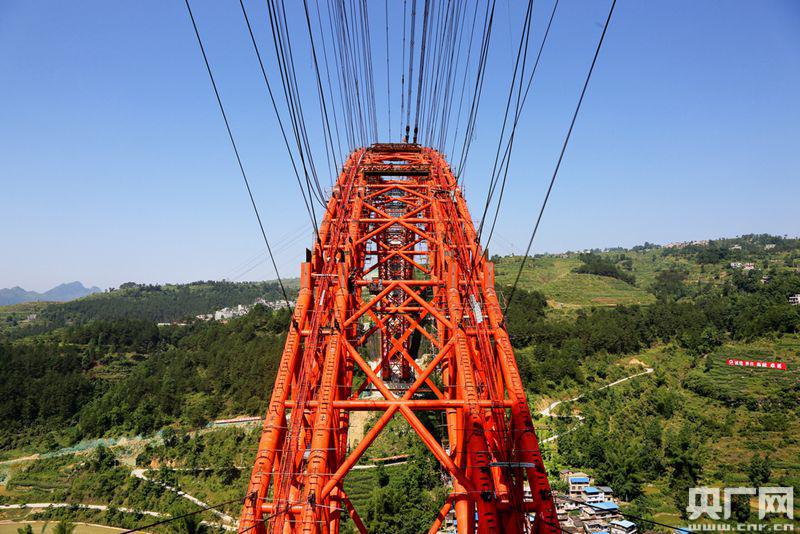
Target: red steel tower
{"points": [[397, 266]]}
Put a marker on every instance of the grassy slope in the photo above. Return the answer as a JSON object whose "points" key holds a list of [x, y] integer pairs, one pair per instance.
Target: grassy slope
{"points": [[566, 289], [646, 265], [359, 483]]}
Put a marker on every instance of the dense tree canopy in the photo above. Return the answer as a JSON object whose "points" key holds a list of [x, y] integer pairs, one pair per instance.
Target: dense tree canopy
{"points": [[151, 376]]}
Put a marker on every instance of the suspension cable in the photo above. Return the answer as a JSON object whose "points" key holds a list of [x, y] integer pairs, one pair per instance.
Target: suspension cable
{"points": [[510, 145], [403, 68], [478, 90], [388, 77], [410, 68], [182, 516], [560, 157], [236, 151], [278, 116], [523, 44]]}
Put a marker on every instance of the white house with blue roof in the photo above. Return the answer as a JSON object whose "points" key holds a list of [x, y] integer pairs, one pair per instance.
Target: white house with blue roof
{"points": [[577, 483], [604, 509], [622, 526], [592, 495]]}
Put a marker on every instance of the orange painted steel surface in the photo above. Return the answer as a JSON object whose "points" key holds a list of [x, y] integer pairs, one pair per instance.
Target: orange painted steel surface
{"points": [[397, 298]]}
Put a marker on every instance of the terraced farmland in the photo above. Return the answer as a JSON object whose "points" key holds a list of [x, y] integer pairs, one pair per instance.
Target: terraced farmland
{"points": [[566, 289]]}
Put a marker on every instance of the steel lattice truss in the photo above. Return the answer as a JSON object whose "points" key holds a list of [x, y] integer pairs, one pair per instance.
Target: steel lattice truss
{"points": [[398, 268]]}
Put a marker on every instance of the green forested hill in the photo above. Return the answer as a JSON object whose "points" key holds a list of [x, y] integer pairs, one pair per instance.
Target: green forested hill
{"points": [[128, 377], [163, 303], [157, 303]]}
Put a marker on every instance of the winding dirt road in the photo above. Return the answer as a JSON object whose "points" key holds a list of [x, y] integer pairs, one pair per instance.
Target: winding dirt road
{"points": [[140, 473], [548, 411]]}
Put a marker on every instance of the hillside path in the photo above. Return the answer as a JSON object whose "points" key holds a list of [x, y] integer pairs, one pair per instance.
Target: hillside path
{"points": [[548, 411], [140, 473]]}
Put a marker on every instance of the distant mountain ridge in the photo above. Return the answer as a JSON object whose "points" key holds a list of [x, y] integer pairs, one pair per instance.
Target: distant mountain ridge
{"points": [[60, 293]]}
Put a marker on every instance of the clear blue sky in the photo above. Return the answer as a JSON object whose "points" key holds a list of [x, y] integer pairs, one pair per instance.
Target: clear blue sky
{"points": [[115, 166]]}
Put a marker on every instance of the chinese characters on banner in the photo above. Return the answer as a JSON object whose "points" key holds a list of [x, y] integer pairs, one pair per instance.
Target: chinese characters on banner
{"points": [[760, 365]]}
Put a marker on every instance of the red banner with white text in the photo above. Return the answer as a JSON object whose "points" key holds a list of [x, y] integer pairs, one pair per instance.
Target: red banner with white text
{"points": [[757, 364]]}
